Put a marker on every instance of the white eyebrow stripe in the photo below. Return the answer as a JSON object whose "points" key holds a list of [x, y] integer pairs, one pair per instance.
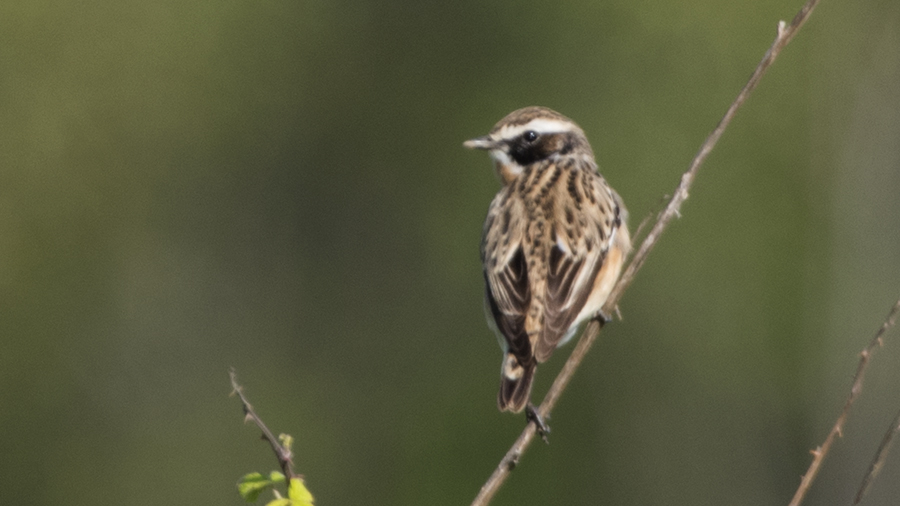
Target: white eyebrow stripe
{"points": [[539, 125]]}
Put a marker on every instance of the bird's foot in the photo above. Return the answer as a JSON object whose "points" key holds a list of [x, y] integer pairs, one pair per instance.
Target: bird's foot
{"points": [[532, 415], [602, 317]]}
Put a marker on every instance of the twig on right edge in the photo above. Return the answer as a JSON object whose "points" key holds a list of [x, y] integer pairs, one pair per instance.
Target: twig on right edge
{"points": [[878, 462], [819, 453]]}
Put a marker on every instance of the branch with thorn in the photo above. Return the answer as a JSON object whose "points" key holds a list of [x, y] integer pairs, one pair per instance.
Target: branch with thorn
{"points": [[282, 452], [252, 484]]}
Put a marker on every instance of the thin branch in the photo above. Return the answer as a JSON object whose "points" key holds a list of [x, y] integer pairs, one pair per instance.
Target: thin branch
{"points": [[878, 462], [784, 35], [819, 453], [511, 459], [282, 453]]}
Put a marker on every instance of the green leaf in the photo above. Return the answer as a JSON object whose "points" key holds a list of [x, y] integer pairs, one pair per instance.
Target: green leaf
{"points": [[251, 485], [299, 494], [276, 477], [286, 441]]}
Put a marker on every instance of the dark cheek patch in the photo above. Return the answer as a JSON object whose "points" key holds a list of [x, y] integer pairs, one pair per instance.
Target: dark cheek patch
{"points": [[525, 153]]}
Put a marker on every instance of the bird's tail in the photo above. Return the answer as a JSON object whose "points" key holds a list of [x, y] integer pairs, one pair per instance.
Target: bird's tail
{"points": [[515, 383]]}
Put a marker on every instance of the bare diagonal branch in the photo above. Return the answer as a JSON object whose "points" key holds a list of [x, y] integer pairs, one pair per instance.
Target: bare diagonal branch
{"points": [[784, 35]]}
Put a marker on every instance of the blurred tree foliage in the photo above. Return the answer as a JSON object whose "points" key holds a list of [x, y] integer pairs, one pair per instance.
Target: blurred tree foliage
{"points": [[280, 187]]}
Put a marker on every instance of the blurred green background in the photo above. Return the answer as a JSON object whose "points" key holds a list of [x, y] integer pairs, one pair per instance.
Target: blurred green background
{"points": [[281, 187]]}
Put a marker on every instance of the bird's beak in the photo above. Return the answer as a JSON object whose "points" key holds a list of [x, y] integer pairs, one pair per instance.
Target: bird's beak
{"points": [[484, 142]]}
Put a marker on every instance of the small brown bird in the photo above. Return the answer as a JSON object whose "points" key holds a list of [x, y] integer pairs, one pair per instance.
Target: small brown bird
{"points": [[554, 242]]}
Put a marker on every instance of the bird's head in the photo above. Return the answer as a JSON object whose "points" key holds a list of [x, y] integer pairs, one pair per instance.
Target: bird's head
{"points": [[531, 135]]}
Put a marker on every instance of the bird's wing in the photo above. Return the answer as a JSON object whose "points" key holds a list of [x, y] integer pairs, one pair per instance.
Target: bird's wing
{"points": [[581, 239], [507, 288]]}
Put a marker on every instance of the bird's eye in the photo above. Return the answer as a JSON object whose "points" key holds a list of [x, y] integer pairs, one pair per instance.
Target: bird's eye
{"points": [[530, 136]]}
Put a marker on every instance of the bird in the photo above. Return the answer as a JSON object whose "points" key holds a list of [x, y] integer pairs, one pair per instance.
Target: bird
{"points": [[553, 244]]}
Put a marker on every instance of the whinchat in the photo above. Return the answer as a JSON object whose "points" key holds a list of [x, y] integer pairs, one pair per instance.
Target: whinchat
{"points": [[553, 245]]}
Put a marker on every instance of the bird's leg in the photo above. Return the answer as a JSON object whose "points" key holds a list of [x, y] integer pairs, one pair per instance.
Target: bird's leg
{"points": [[532, 415]]}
